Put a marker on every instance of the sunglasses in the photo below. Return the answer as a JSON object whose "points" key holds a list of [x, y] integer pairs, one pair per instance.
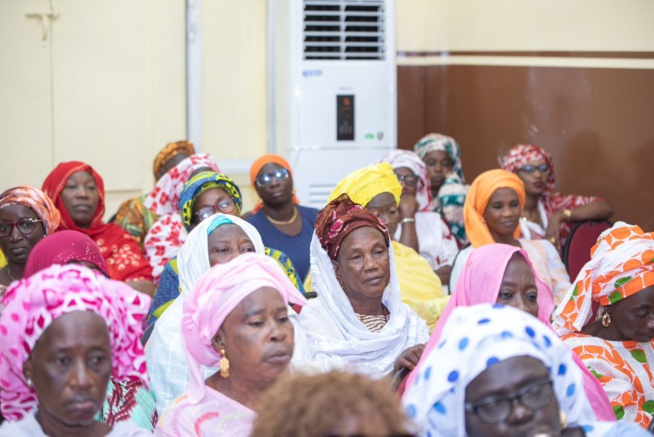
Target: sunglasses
{"points": [[543, 168], [225, 206], [410, 180], [25, 226], [266, 178]]}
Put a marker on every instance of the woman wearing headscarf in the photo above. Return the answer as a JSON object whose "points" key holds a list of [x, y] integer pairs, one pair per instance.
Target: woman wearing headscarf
{"points": [[377, 189], [503, 274], [66, 247], [422, 229], [442, 156], [505, 373], [283, 223], [167, 234], [204, 195], [167, 365], [26, 216], [358, 321], [618, 348], [236, 318], [69, 339], [549, 214], [492, 215], [133, 215]]}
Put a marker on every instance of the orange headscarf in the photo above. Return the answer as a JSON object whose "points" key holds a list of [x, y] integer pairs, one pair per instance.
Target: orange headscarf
{"points": [[169, 151], [477, 200], [260, 163]]}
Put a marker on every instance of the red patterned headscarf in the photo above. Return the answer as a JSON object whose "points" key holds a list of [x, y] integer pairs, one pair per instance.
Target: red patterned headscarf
{"points": [[524, 153], [339, 218], [33, 303], [37, 201]]}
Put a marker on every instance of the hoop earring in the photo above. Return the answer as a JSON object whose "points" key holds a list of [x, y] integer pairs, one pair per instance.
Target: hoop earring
{"points": [[606, 320], [224, 364]]}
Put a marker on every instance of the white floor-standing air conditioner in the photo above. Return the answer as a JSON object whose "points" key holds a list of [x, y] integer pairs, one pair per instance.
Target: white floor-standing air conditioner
{"points": [[334, 78]]}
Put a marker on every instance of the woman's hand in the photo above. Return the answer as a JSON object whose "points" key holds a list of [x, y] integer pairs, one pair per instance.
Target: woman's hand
{"points": [[409, 358], [408, 206], [553, 231]]}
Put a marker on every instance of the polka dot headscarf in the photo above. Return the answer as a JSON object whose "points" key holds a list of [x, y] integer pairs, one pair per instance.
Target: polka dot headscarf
{"points": [[475, 338]]}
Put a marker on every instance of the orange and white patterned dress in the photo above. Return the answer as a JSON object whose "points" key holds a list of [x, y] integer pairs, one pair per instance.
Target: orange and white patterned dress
{"points": [[624, 369]]}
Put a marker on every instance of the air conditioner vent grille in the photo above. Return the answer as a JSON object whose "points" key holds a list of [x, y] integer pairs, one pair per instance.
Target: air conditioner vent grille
{"points": [[344, 30]]}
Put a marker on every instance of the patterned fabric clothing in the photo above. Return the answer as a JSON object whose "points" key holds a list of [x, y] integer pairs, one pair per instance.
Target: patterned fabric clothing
{"points": [[32, 304], [120, 251], [197, 185], [474, 339], [167, 234], [374, 323], [624, 368], [216, 415], [135, 218], [550, 203], [169, 288], [37, 201], [129, 400], [452, 193], [296, 247], [171, 149]]}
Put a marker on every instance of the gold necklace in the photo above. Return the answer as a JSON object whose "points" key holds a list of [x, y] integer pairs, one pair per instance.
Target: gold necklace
{"points": [[283, 222], [10, 275]]}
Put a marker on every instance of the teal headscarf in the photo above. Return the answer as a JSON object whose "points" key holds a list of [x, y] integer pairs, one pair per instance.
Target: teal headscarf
{"points": [[200, 183]]}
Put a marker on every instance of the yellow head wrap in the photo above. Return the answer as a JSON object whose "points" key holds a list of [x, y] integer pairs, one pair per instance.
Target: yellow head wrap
{"points": [[364, 184]]}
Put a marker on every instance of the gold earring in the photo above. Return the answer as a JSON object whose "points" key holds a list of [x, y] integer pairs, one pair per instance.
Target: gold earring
{"points": [[606, 320], [483, 220], [564, 419], [224, 365]]}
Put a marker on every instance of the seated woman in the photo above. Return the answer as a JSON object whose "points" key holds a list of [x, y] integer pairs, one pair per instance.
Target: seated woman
{"points": [[236, 318], [66, 247], [133, 215], [503, 274], [306, 406], [442, 156], [26, 216], [216, 240], [501, 372], [377, 189], [67, 335], [78, 193], [167, 234], [422, 230], [281, 221], [548, 214], [358, 321], [492, 215], [204, 195], [619, 348]]}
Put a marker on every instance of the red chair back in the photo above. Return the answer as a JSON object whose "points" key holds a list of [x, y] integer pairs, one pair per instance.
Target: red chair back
{"points": [[581, 240]]}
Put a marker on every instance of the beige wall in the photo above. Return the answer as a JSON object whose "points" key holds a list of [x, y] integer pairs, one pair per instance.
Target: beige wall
{"points": [[580, 25]]}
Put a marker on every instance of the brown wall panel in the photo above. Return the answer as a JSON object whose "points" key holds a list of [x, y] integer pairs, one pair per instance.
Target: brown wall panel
{"points": [[410, 105], [597, 123]]}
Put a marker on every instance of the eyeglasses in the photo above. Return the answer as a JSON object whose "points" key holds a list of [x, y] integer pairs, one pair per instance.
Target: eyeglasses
{"points": [[225, 206], [410, 179], [266, 178], [496, 409], [25, 225], [543, 168]]}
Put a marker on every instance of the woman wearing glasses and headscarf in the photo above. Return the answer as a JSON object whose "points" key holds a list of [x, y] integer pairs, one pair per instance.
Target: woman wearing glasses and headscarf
{"points": [[548, 214], [501, 372], [26, 216], [282, 222]]}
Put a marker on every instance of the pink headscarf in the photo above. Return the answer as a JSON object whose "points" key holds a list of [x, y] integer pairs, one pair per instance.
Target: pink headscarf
{"points": [[406, 158], [214, 297], [480, 283], [32, 304]]}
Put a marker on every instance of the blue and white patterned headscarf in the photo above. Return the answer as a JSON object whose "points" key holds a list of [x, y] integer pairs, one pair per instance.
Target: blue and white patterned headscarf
{"points": [[431, 142], [475, 338]]}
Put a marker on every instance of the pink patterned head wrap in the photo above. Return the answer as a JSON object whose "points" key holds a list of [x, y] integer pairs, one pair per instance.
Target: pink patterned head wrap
{"points": [[37, 201], [524, 153], [164, 198], [32, 304], [214, 297], [406, 158]]}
